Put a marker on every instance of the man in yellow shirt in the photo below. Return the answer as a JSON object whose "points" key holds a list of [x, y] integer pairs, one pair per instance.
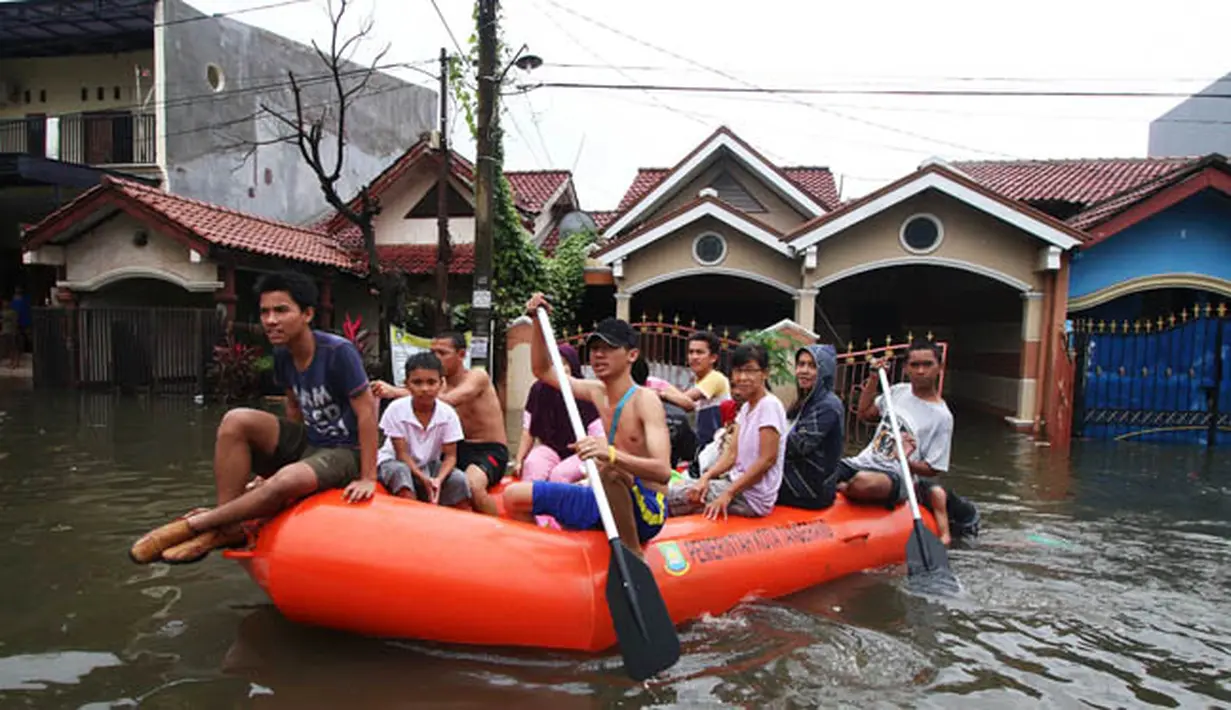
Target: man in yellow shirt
{"points": [[712, 388]]}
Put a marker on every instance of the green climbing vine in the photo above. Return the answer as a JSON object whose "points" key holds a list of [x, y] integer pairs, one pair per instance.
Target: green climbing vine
{"points": [[566, 277]]}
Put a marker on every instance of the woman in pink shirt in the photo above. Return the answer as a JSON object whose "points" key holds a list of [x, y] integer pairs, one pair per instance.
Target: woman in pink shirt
{"points": [[746, 478], [546, 432]]}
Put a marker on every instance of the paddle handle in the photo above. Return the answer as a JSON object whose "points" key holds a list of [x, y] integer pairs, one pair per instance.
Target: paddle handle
{"points": [[907, 480], [579, 431]]}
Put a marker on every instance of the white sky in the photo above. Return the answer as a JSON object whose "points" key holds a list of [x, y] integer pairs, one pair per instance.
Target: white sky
{"points": [[604, 136]]}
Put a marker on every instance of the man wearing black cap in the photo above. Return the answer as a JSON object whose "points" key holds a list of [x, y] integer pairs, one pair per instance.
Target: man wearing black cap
{"points": [[634, 460]]}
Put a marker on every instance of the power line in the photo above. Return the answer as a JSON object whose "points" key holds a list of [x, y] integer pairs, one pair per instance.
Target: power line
{"points": [[838, 114], [791, 90], [229, 13], [456, 45]]}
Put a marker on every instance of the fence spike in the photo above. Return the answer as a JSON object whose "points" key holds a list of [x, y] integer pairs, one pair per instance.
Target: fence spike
{"points": [[1208, 308], [1196, 310], [676, 319], [1149, 325], [1113, 327], [930, 336], [1222, 310], [1171, 320], [693, 324], [1183, 315], [1124, 327], [644, 316], [868, 345], [888, 340], [660, 316], [850, 347], [1137, 326], [1102, 326], [1159, 323], [710, 327]]}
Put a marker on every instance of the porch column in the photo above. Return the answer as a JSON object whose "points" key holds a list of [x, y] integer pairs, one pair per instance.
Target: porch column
{"points": [[1027, 385], [225, 296], [326, 310], [805, 308], [623, 304], [69, 300]]}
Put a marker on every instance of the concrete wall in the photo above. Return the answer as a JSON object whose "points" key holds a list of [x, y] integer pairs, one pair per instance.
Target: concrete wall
{"points": [[392, 226], [200, 124], [107, 253], [1197, 126], [63, 78], [1190, 239], [672, 254], [970, 238]]}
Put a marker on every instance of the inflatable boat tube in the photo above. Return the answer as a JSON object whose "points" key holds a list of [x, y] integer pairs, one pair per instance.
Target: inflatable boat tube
{"points": [[397, 568]]}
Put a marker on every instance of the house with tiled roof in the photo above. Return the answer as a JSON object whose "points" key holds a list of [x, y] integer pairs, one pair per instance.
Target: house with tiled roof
{"points": [[1147, 290], [730, 239]]}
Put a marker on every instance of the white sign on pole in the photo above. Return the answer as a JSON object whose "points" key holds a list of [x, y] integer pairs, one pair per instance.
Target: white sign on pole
{"points": [[403, 344]]}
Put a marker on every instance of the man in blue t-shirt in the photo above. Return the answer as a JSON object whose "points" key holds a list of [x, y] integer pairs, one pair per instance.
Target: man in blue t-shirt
{"points": [[328, 438]]}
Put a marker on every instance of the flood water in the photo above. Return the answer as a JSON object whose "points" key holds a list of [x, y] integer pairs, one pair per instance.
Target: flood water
{"points": [[1101, 582]]}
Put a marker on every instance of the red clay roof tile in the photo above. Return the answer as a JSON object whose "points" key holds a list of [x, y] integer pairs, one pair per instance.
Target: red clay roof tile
{"points": [[421, 258], [1082, 181], [533, 188]]}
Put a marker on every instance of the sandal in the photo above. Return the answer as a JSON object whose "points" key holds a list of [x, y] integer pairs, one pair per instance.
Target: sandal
{"points": [[199, 547]]}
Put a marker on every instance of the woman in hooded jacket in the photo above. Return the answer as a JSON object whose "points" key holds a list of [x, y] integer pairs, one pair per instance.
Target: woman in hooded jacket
{"points": [[814, 441]]}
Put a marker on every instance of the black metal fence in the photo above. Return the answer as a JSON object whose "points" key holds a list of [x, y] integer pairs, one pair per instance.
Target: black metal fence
{"points": [[103, 138], [135, 348]]}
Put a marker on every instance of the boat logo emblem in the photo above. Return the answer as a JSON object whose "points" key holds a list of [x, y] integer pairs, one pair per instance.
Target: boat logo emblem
{"points": [[674, 561]]}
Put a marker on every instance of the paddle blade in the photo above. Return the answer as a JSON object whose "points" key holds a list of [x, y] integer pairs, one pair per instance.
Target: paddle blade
{"points": [[646, 634], [926, 557]]}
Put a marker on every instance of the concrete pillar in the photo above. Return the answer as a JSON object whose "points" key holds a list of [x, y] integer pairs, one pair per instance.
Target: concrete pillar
{"points": [[226, 296], [51, 138], [1027, 386], [623, 304], [805, 308]]}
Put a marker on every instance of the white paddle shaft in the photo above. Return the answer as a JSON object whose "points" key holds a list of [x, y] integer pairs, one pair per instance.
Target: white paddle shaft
{"points": [[574, 417], [907, 480]]}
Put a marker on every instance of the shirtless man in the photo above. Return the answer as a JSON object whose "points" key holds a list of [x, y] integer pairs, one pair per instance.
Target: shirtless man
{"points": [[484, 454], [634, 460]]}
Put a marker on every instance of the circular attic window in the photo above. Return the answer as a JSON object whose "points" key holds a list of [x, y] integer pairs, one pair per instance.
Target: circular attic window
{"points": [[709, 249], [921, 233], [215, 78]]}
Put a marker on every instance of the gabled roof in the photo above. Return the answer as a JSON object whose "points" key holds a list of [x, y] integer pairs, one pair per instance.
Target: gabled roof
{"points": [[699, 208], [1081, 181], [648, 192], [199, 225], [459, 167], [816, 181], [937, 176], [535, 189], [1148, 199]]}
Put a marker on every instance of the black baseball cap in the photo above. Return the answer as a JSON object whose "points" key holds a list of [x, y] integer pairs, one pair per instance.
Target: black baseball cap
{"points": [[616, 333]]}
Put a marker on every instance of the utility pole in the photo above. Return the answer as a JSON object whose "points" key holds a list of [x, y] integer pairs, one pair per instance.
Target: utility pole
{"points": [[480, 346], [444, 252]]}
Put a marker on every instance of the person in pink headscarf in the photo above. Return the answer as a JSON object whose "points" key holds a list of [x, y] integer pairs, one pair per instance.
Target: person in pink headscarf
{"points": [[544, 454]]}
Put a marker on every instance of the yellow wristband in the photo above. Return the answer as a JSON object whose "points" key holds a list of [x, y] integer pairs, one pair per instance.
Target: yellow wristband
{"points": [[611, 455]]}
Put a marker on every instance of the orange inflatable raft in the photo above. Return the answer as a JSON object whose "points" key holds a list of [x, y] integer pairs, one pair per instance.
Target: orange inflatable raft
{"points": [[396, 568]]}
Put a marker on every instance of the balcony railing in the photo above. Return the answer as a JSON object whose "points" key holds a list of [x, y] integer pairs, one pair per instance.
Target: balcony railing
{"points": [[104, 138]]}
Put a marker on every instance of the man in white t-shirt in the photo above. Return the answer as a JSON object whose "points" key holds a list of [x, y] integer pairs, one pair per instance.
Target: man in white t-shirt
{"points": [[874, 474], [419, 456]]}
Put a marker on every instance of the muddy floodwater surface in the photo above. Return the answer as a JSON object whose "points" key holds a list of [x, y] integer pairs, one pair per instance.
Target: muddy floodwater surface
{"points": [[1101, 581]]}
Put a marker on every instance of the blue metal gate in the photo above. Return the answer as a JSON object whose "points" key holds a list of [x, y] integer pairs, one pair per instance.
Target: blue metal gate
{"points": [[1166, 379]]}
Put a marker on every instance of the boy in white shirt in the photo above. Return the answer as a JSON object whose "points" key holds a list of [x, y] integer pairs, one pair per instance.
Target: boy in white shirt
{"points": [[420, 431]]}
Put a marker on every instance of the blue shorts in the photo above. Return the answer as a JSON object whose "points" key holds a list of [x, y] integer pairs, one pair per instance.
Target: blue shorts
{"points": [[576, 508]]}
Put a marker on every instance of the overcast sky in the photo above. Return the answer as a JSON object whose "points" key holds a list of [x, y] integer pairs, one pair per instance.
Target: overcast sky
{"points": [[605, 135]]}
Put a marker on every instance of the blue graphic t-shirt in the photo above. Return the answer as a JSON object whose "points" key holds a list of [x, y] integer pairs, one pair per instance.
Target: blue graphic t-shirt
{"points": [[324, 389]]}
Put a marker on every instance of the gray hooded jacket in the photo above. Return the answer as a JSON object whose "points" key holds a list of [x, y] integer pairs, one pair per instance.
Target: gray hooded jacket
{"points": [[814, 442]]}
